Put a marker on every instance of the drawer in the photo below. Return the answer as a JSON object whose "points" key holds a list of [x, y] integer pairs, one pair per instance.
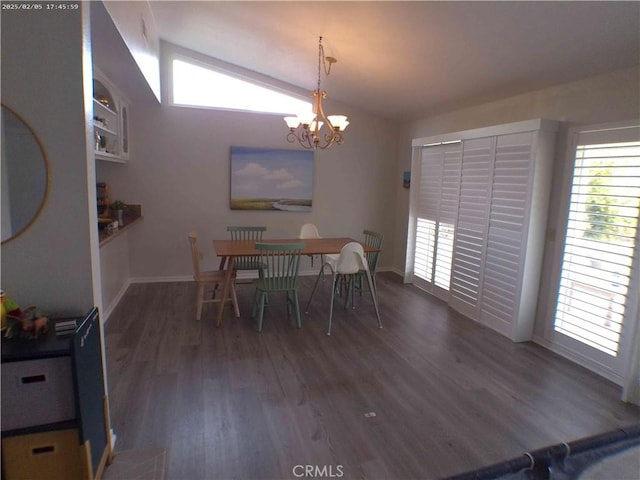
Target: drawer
{"points": [[37, 392], [48, 456]]}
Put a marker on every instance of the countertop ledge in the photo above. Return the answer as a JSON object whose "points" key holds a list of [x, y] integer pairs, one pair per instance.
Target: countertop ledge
{"points": [[132, 215]]}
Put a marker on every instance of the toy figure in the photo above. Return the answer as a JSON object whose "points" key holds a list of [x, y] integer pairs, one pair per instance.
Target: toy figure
{"points": [[29, 323]]}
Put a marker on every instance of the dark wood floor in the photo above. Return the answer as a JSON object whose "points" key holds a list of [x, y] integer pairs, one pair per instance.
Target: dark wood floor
{"points": [[448, 394]]}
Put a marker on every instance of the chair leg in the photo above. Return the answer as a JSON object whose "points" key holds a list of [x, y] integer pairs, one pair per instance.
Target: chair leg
{"points": [[340, 285], [261, 310], [199, 301], [234, 300], [254, 307], [346, 281], [289, 302], [360, 286], [374, 296], [375, 285], [349, 285], [333, 295], [306, 311], [296, 306], [352, 290], [261, 276]]}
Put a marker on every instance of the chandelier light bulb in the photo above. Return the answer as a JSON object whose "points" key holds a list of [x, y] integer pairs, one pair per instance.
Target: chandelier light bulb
{"points": [[292, 122], [338, 122], [306, 118]]}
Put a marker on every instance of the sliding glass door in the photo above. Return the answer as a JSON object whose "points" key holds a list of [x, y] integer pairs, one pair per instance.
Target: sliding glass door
{"points": [[598, 293]]}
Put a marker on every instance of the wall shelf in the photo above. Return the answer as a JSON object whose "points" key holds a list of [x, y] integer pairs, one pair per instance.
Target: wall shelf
{"points": [[110, 121], [104, 129]]}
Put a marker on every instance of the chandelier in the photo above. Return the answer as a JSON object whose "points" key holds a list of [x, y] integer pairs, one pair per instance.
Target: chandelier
{"points": [[307, 128]]}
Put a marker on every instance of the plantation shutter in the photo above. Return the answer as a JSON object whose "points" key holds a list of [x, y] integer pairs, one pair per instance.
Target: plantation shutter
{"points": [[507, 226], [482, 226], [436, 216], [600, 240], [471, 234]]}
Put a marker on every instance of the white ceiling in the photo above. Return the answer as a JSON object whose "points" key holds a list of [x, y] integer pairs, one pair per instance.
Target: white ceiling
{"points": [[399, 59]]}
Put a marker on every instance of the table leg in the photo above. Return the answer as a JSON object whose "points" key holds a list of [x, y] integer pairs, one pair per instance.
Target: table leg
{"points": [[221, 267], [228, 278]]}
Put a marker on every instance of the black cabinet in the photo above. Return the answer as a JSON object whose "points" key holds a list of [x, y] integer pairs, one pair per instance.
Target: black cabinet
{"points": [[54, 406]]}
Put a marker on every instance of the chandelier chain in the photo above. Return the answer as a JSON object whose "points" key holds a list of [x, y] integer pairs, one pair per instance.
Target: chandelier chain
{"points": [[322, 59]]}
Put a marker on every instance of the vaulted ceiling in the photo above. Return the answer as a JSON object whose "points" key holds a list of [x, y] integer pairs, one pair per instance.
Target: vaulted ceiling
{"points": [[401, 59]]}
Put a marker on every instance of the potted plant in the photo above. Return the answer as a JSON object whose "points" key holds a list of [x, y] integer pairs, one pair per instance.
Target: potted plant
{"points": [[119, 207]]}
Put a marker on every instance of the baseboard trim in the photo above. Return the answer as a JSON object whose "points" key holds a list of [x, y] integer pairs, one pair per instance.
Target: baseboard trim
{"points": [[169, 279], [114, 303], [395, 270], [240, 275], [579, 359], [188, 278]]}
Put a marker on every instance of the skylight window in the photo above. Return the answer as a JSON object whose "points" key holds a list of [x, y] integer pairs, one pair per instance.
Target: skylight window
{"points": [[198, 86]]}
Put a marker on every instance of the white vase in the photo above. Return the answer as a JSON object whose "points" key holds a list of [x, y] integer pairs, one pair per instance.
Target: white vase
{"points": [[120, 217]]}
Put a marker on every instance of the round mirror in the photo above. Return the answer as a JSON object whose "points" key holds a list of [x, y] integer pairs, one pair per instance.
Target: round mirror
{"points": [[24, 175]]}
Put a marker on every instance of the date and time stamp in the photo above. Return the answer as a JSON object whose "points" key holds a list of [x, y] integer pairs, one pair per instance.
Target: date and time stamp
{"points": [[44, 6]]}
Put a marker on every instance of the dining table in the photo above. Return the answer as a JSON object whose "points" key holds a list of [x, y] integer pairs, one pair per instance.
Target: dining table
{"points": [[229, 250]]}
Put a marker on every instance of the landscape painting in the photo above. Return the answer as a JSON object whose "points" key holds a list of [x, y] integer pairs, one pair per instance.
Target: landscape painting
{"points": [[271, 179]]}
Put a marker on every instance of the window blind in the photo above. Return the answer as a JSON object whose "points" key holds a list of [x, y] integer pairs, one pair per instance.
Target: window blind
{"points": [[600, 239]]}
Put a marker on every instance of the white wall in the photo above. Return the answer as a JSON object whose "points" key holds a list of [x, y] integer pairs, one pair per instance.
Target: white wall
{"points": [[115, 271], [136, 25], [606, 98], [52, 264], [179, 172]]}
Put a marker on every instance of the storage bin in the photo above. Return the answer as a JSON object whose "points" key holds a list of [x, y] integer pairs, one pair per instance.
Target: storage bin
{"points": [[37, 392], [48, 456]]}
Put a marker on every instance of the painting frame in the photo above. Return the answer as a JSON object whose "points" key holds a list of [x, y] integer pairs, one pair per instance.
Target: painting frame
{"points": [[271, 179]]}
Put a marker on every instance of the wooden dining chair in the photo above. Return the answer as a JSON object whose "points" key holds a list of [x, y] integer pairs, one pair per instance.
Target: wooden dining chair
{"points": [[208, 280], [372, 239], [348, 265], [250, 233], [281, 263]]}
